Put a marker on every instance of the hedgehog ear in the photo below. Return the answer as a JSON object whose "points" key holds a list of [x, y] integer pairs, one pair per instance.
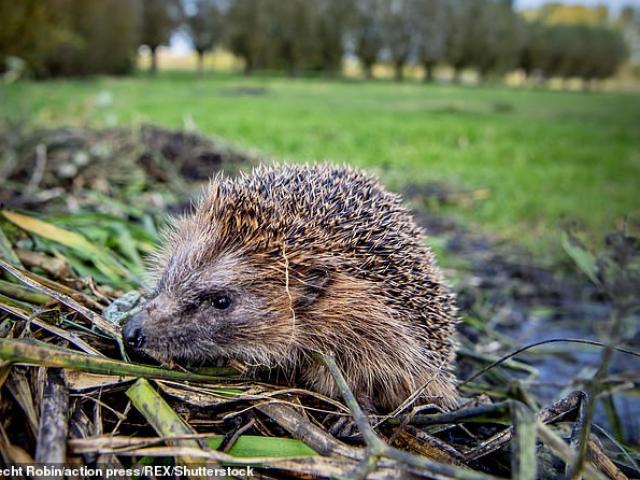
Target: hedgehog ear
{"points": [[314, 285]]}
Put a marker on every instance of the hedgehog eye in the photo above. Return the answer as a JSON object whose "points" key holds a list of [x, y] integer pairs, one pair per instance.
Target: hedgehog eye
{"points": [[221, 301]]}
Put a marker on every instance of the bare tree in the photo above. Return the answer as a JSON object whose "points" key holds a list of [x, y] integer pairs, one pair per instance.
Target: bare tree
{"points": [[460, 25], [399, 33], [430, 30], [249, 32], [293, 34], [496, 38], [159, 20], [205, 23], [333, 18], [368, 32]]}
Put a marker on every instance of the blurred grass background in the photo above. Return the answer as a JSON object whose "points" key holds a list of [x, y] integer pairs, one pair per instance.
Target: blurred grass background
{"points": [[530, 159]]}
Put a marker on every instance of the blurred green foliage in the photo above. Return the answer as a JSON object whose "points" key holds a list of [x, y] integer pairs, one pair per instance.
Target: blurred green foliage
{"points": [[70, 37]]}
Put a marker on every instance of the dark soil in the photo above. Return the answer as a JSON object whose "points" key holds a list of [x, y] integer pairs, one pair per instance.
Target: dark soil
{"points": [[45, 164]]}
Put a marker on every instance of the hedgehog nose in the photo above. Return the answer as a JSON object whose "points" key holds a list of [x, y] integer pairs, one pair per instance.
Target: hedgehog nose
{"points": [[132, 332]]}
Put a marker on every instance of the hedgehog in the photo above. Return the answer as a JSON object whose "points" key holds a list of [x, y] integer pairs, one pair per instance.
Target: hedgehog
{"points": [[273, 267]]}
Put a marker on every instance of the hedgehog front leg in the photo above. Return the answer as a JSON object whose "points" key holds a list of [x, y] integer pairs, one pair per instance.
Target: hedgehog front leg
{"points": [[319, 379]]}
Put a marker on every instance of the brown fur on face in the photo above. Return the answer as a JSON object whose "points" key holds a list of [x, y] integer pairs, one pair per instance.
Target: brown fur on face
{"points": [[305, 260]]}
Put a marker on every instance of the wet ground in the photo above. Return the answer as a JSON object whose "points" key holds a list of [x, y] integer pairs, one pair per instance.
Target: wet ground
{"points": [[522, 302]]}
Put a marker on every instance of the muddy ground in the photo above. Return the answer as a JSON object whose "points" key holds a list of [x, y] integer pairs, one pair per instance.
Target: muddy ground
{"points": [[521, 302]]}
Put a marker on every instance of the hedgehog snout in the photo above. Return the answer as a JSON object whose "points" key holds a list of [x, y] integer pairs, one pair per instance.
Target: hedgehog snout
{"points": [[132, 332]]}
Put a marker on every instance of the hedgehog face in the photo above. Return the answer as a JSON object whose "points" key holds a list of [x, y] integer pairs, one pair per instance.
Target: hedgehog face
{"points": [[225, 307]]}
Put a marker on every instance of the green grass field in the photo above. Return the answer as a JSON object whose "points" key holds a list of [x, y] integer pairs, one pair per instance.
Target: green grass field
{"points": [[543, 157]]}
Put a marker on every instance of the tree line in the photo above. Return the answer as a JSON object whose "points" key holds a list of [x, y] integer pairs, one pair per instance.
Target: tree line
{"points": [[77, 37]]}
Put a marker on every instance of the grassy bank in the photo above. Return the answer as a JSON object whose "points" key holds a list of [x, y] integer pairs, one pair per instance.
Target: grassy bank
{"points": [[526, 161]]}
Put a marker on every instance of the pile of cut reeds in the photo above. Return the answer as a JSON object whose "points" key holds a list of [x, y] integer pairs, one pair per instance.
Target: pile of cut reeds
{"points": [[69, 394]]}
